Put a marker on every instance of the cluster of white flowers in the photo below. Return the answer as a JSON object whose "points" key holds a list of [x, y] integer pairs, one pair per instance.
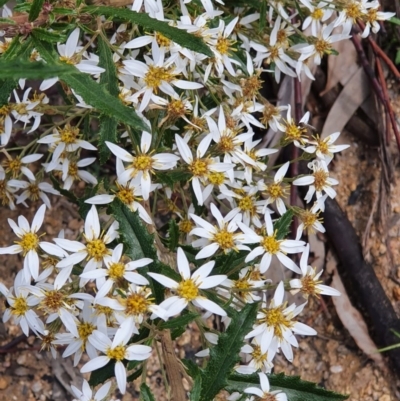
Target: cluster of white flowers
{"points": [[86, 295]]}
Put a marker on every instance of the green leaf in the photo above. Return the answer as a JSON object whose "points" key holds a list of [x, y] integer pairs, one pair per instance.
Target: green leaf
{"points": [[2, 2], [7, 21], [224, 264], [295, 388], [92, 93], [282, 226], [226, 353], [134, 375], [108, 125], [183, 320], [394, 20], [101, 375], [47, 36], [172, 177], [173, 237], [6, 87], [196, 390], [263, 15], [68, 194], [31, 70], [83, 206], [397, 59], [145, 393], [177, 332], [138, 242], [191, 367], [179, 36], [36, 7]]}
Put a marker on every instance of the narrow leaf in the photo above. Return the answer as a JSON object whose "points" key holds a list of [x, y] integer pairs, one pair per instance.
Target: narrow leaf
{"points": [[196, 390], [47, 36], [31, 70], [35, 10], [173, 235], [179, 36], [225, 354], [101, 375], [145, 393], [295, 388], [108, 125], [282, 226]]}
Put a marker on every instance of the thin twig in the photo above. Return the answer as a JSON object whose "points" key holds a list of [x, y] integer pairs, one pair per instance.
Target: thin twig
{"points": [[376, 86]]}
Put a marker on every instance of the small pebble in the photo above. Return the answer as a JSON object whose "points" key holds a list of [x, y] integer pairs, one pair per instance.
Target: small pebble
{"points": [[37, 386], [385, 397], [336, 369], [3, 383], [21, 360], [22, 371]]}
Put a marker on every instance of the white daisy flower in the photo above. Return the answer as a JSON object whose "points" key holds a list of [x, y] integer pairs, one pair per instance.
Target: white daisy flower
{"points": [[264, 393], [324, 149], [20, 306], [71, 172], [96, 244], [117, 271], [319, 181], [271, 246], [188, 289], [200, 167], [256, 359], [310, 220], [277, 191], [16, 166], [222, 236], [24, 110], [5, 129], [309, 283], [318, 14], [116, 351], [275, 324], [33, 190], [144, 164], [29, 243]]}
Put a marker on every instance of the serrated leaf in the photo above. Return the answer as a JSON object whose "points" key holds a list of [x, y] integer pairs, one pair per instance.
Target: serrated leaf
{"points": [[36, 7], [173, 235], [83, 206], [134, 375], [179, 36], [177, 332], [92, 93], [182, 320], [108, 125], [196, 390], [145, 393], [6, 87], [47, 36], [263, 15], [226, 263], [295, 388], [282, 226], [191, 367], [225, 354], [31, 70]]}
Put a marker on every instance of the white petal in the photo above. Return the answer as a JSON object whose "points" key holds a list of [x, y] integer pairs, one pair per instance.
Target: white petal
{"points": [[165, 281], [210, 306], [95, 364]]}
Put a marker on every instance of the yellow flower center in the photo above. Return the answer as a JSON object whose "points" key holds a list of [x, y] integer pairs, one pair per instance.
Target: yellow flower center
{"points": [[353, 10], [224, 45], [28, 242], [136, 304], [188, 290], [251, 86], [323, 47], [323, 146], [73, 170], [176, 108], [5, 110], [161, 40], [34, 191], [269, 112], [185, 226], [53, 301], [155, 75], [309, 286], [216, 177], [125, 194], [69, 134], [226, 143], [13, 166], [275, 318], [308, 218], [320, 177], [96, 249], [85, 330], [276, 190], [224, 239], [117, 353], [294, 132], [142, 162], [5, 195], [116, 271], [274, 52], [317, 14], [246, 204], [270, 244], [372, 15], [20, 306], [75, 59], [20, 108], [257, 355], [199, 167]]}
